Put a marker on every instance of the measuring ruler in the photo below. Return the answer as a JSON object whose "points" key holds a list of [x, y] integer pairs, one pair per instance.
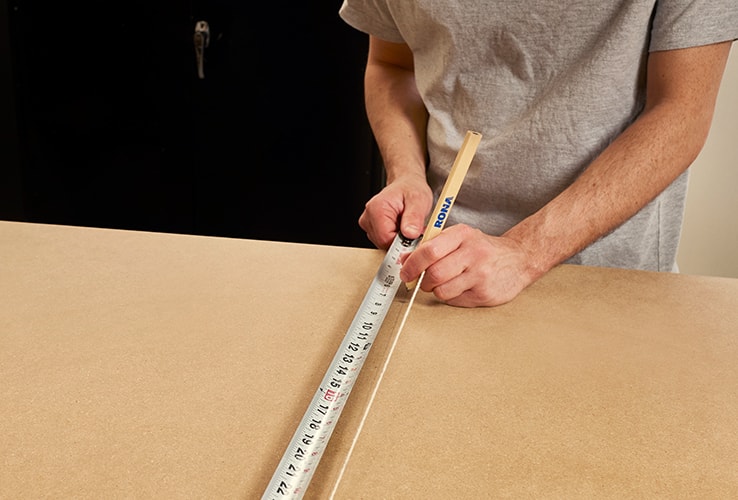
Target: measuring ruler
{"points": [[305, 450]]}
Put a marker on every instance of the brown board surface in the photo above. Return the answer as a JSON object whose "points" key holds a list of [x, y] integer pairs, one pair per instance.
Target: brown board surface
{"points": [[153, 365]]}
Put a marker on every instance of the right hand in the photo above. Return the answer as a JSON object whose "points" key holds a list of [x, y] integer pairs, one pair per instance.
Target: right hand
{"points": [[403, 204]]}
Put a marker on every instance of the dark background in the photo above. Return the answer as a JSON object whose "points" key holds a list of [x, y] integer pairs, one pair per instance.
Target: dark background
{"points": [[105, 122]]}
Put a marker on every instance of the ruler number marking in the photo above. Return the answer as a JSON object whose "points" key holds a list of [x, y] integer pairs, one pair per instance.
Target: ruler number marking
{"points": [[312, 435]]}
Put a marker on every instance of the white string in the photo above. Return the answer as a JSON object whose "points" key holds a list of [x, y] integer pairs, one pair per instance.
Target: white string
{"points": [[376, 387]]}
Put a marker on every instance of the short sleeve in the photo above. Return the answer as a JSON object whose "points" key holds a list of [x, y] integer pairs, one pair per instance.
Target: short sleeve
{"points": [[680, 24], [373, 17]]}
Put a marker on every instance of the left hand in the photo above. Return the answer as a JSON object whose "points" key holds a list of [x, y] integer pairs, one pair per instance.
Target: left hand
{"points": [[466, 268]]}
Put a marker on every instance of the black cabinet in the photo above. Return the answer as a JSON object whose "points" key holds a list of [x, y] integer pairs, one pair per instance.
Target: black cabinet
{"points": [[116, 128]]}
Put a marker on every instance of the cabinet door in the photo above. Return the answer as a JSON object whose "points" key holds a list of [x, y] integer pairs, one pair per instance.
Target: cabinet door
{"points": [[104, 112], [118, 128], [285, 150]]}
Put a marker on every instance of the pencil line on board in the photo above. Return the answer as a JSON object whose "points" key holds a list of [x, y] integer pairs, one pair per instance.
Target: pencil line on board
{"points": [[376, 388]]}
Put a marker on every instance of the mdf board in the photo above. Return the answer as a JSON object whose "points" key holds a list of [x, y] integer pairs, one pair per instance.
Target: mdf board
{"points": [[148, 365], [153, 365], [594, 383]]}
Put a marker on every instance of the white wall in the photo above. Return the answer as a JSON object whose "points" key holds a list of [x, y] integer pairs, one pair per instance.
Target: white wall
{"points": [[709, 242]]}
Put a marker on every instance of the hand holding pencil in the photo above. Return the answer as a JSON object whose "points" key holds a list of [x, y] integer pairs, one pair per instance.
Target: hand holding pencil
{"points": [[450, 191]]}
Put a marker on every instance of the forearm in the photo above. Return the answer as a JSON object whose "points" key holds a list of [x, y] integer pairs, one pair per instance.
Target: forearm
{"points": [[632, 171], [397, 117], [637, 166]]}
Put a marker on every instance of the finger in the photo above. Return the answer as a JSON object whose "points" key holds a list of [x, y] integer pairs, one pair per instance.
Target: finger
{"points": [[468, 291], [466, 299], [456, 291], [380, 230], [463, 290], [471, 298], [444, 272], [426, 255], [413, 219], [411, 225]]}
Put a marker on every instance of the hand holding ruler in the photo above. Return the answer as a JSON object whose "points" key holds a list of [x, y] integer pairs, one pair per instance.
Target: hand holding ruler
{"points": [[297, 466]]}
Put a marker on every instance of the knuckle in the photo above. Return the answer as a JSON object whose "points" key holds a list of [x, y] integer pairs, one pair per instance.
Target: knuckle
{"points": [[433, 252], [433, 275]]}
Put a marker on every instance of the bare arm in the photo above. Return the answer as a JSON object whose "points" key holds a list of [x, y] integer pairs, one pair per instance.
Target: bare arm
{"points": [[682, 88], [465, 267], [398, 119]]}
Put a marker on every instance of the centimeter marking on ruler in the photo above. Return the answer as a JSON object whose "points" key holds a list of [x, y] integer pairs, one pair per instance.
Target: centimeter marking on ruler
{"points": [[305, 450], [300, 459]]}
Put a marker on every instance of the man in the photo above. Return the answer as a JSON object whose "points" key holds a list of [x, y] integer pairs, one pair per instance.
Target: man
{"points": [[591, 113]]}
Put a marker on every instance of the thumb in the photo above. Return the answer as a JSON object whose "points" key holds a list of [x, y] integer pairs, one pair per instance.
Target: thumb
{"points": [[412, 223]]}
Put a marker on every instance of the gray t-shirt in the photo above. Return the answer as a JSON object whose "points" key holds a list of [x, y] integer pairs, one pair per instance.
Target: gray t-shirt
{"points": [[549, 85]]}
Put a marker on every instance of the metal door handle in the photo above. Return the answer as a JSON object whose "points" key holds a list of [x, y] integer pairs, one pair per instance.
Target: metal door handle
{"points": [[202, 40]]}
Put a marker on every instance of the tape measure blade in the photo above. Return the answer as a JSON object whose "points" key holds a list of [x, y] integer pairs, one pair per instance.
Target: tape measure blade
{"points": [[302, 456]]}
